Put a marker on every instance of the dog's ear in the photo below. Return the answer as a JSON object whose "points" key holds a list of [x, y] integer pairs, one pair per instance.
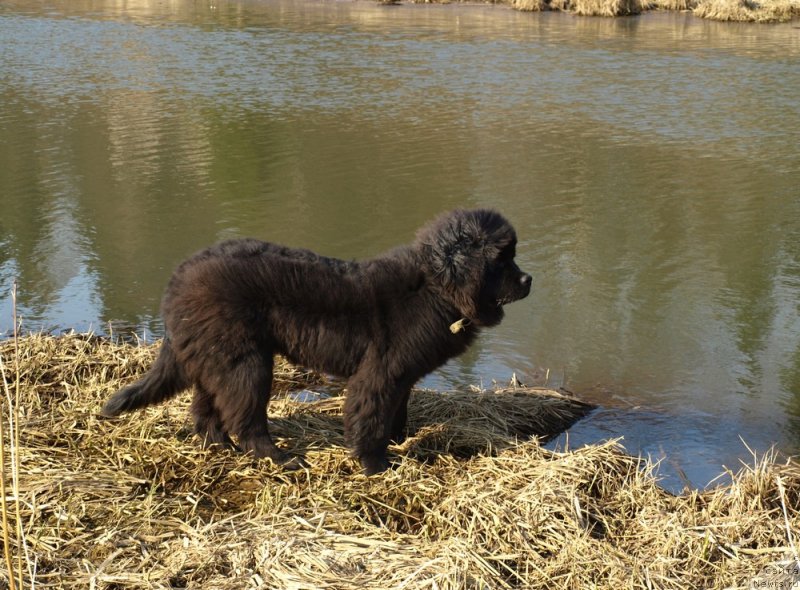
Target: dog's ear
{"points": [[460, 274], [453, 254]]}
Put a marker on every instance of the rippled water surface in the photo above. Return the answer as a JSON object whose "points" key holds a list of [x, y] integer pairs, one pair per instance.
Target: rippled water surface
{"points": [[650, 164]]}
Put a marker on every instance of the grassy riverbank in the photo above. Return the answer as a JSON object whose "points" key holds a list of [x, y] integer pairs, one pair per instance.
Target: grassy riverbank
{"points": [[761, 11], [473, 501]]}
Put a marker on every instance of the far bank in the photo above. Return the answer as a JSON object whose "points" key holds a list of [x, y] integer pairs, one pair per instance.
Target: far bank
{"points": [[760, 11]]}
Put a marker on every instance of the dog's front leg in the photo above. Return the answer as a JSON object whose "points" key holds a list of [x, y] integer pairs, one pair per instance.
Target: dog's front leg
{"points": [[369, 411]]}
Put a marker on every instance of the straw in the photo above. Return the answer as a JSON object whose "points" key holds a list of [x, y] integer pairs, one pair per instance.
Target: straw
{"points": [[473, 499]]}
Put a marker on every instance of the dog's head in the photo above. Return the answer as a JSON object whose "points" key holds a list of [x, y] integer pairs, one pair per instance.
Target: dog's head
{"points": [[470, 256]]}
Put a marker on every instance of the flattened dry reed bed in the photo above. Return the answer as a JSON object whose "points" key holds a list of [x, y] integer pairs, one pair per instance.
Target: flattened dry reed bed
{"points": [[472, 503]]}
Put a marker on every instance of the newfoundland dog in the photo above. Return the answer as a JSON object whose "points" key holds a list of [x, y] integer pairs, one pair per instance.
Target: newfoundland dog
{"points": [[382, 323]]}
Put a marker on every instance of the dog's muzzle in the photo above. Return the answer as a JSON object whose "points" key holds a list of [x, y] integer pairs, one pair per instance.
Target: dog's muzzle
{"points": [[517, 290]]}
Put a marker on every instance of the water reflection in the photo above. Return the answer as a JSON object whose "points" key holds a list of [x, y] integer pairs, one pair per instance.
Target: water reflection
{"points": [[649, 164]]}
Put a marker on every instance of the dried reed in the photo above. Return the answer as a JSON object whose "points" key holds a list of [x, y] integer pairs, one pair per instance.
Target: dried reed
{"points": [[10, 414], [582, 7], [605, 7], [760, 11], [531, 5], [472, 503], [748, 10]]}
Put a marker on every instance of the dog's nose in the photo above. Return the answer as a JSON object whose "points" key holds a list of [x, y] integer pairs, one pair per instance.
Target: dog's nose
{"points": [[526, 280]]}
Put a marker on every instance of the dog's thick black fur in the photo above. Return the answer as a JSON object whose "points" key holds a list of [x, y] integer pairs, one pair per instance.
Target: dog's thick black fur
{"points": [[383, 323]]}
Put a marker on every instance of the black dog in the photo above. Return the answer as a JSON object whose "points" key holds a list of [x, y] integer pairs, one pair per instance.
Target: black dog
{"points": [[384, 323]]}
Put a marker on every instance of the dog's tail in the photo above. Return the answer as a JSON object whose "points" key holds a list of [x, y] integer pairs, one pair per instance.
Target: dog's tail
{"points": [[163, 381]]}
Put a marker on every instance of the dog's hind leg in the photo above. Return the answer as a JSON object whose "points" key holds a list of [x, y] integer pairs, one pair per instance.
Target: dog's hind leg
{"points": [[244, 410], [208, 422]]}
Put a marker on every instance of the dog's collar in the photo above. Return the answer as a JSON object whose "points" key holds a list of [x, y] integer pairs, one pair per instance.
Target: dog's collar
{"points": [[460, 325]]}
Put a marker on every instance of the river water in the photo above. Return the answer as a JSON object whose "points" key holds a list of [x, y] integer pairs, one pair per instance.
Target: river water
{"points": [[651, 166]]}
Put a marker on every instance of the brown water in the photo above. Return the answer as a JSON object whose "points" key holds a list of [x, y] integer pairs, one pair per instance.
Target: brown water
{"points": [[651, 166]]}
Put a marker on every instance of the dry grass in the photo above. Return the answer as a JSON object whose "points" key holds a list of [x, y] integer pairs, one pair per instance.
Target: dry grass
{"points": [[531, 5], [605, 7], [760, 11], [763, 11], [473, 503], [679, 5], [582, 7]]}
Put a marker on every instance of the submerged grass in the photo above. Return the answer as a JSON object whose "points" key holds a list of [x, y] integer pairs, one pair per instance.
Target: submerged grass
{"points": [[472, 503]]}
